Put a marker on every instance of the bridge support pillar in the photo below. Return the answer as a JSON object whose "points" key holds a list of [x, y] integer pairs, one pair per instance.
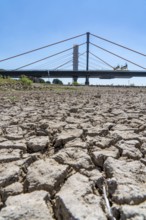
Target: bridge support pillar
{"points": [[87, 81], [75, 79]]}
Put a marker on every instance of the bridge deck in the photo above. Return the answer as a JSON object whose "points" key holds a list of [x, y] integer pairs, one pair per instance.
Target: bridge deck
{"points": [[102, 74]]}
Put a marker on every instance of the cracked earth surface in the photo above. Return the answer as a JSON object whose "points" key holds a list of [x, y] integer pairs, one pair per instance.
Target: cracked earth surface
{"points": [[73, 154]]}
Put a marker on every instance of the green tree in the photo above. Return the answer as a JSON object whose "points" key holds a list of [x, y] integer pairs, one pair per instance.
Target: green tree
{"points": [[57, 81], [25, 80]]}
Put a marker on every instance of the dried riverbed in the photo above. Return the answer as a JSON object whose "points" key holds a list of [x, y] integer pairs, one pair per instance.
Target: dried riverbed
{"points": [[73, 153]]}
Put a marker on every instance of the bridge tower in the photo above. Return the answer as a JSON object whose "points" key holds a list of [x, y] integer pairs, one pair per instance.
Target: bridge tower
{"points": [[75, 61], [87, 56], [75, 57]]}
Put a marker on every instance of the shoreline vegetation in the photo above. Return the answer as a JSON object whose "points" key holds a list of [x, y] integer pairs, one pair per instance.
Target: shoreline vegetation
{"points": [[25, 82]]}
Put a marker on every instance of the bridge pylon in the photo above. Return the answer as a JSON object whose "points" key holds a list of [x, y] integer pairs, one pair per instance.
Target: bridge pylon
{"points": [[75, 57], [87, 56], [87, 50], [75, 61]]}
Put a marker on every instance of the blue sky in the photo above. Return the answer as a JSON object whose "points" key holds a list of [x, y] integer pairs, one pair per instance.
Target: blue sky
{"points": [[28, 24]]}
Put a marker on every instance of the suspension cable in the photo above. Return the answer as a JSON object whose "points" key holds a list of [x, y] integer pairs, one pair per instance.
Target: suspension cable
{"points": [[66, 67], [47, 57], [54, 61], [127, 48], [80, 54], [82, 62], [69, 61], [99, 64], [102, 60], [92, 66], [82, 65], [118, 56], [95, 60], [92, 62], [40, 48], [37, 61], [63, 64]]}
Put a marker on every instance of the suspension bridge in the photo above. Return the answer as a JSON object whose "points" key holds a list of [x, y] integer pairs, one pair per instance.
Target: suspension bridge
{"points": [[84, 60]]}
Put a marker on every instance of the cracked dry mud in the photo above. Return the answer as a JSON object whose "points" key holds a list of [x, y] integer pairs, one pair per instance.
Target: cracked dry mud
{"points": [[60, 148]]}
